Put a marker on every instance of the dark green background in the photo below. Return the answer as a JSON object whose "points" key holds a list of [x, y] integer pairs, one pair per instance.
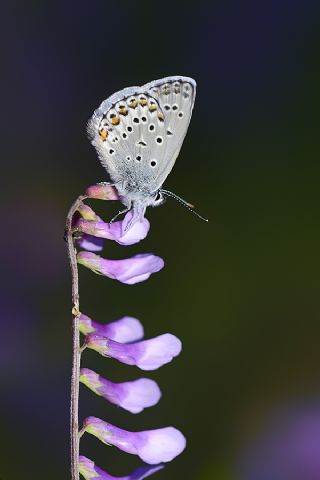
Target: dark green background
{"points": [[242, 292]]}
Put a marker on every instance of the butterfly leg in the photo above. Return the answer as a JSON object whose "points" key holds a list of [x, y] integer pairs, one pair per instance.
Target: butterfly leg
{"points": [[120, 213], [105, 184]]}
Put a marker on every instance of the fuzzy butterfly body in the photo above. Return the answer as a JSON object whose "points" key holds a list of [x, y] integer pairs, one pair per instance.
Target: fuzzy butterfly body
{"points": [[138, 133]]}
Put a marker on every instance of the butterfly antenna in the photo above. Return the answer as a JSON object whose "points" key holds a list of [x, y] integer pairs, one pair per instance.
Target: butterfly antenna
{"points": [[187, 205]]}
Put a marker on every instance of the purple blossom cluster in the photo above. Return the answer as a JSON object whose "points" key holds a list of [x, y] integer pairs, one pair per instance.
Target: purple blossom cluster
{"points": [[123, 341]]}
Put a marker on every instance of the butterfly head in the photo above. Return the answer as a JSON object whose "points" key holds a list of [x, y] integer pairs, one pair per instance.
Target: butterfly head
{"points": [[139, 202]]}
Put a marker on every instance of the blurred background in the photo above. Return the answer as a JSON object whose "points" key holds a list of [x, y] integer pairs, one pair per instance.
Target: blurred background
{"points": [[242, 292]]}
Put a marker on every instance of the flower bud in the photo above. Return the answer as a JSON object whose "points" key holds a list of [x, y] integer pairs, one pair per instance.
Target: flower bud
{"points": [[102, 191], [87, 213]]}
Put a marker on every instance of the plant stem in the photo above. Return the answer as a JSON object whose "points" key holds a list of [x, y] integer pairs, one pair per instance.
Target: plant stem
{"points": [[76, 353]]}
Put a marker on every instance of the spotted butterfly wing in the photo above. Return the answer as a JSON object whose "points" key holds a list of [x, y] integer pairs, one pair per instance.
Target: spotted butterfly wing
{"points": [[138, 132], [176, 97]]}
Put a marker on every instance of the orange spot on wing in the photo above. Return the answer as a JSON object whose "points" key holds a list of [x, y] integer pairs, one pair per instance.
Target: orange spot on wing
{"points": [[103, 134]]}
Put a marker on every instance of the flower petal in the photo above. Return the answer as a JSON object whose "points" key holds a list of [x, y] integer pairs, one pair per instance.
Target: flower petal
{"points": [[147, 354], [126, 329], [152, 446], [90, 471], [138, 230], [90, 243], [161, 445], [130, 271], [132, 396]]}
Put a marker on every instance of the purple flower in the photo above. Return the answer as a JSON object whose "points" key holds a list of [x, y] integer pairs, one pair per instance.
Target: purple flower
{"points": [[91, 226], [130, 270], [124, 231], [90, 471], [132, 396], [147, 354], [126, 329], [152, 446], [102, 191], [93, 244]]}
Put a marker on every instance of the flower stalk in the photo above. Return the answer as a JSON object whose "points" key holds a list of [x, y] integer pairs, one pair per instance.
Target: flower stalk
{"points": [[76, 353]]}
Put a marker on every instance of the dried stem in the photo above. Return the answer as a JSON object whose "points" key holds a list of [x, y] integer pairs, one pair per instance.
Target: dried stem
{"points": [[76, 353]]}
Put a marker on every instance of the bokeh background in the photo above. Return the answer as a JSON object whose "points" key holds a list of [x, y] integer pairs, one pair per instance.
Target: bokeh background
{"points": [[242, 292]]}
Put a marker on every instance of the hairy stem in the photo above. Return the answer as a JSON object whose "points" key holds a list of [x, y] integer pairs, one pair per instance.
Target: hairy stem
{"points": [[76, 352]]}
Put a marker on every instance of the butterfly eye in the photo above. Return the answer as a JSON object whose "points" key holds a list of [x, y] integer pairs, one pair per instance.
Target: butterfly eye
{"points": [[158, 198]]}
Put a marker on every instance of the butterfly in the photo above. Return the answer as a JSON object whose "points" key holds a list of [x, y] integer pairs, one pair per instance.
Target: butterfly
{"points": [[138, 133]]}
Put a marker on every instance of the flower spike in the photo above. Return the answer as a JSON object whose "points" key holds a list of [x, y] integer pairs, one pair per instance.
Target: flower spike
{"points": [[152, 446], [132, 396], [90, 471], [130, 271], [126, 329], [147, 354]]}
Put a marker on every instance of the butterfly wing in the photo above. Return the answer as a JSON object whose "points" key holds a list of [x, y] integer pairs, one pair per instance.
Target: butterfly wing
{"points": [[176, 97], [138, 132]]}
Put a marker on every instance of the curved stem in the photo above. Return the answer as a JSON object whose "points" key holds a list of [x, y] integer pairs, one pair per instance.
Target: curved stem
{"points": [[76, 353]]}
